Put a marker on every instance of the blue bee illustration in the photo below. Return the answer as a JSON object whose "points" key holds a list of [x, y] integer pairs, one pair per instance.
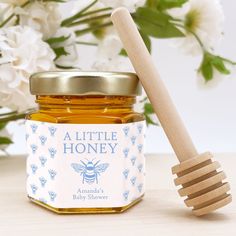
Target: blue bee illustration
{"points": [[126, 130], [42, 139], [43, 160], [52, 130], [126, 152], [133, 160], [43, 181], [90, 171], [140, 148], [133, 180], [140, 187], [140, 167], [126, 173], [34, 148], [126, 195], [133, 139], [52, 152], [34, 127], [52, 195], [140, 128], [52, 174], [34, 188], [34, 168]]}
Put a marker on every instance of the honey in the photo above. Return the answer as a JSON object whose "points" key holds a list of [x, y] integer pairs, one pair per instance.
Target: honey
{"points": [[85, 142]]}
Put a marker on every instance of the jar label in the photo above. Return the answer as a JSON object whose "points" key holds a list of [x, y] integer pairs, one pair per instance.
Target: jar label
{"points": [[85, 165]]}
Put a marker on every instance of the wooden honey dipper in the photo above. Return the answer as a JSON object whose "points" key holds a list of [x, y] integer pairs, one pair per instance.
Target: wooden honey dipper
{"points": [[198, 175]]}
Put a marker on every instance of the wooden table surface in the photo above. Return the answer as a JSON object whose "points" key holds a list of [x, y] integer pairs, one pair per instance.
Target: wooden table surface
{"points": [[162, 212]]}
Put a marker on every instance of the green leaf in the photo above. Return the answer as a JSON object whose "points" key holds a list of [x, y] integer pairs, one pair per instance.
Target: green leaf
{"points": [[146, 40], [2, 125], [65, 67], [156, 24], [206, 67], [57, 40], [152, 3], [148, 109], [60, 51], [168, 4], [207, 71], [5, 141], [149, 121], [78, 14], [218, 63]]}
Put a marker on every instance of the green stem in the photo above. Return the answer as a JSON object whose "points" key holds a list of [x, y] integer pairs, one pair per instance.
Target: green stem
{"points": [[91, 29], [228, 60], [194, 34], [13, 118], [8, 113], [87, 43], [88, 20], [95, 12], [12, 15], [16, 116], [77, 15]]}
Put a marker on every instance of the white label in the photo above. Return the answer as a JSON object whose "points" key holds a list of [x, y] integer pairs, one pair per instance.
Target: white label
{"points": [[85, 165]]}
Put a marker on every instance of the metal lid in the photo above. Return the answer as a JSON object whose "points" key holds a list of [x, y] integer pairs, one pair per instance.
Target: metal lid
{"points": [[85, 83]]}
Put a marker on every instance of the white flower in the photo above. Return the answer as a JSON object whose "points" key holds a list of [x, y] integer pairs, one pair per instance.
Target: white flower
{"points": [[43, 17], [110, 46], [22, 53], [108, 55], [204, 18], [70, 46], [131, 5]]}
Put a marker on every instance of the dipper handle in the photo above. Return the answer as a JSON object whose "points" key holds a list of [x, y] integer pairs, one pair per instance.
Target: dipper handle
{"points": [[153, 85]]}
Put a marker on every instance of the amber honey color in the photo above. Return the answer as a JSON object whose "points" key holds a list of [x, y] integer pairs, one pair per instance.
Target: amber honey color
{"points": [[86, 110], [85, 142]]}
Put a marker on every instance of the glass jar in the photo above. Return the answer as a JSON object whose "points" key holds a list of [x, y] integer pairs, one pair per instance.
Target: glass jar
{"points": [[85, 142]]}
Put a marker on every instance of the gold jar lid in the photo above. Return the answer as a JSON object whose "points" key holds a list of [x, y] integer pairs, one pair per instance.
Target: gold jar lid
{"points": [[85, 83]]}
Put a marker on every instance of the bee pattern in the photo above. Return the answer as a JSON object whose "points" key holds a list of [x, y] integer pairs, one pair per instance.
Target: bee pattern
{"points": [[126, 195], [133, 160], [126, 152], [34, 127], [126, 130], [90, 171], [34, 168], [133, 139], [43, 181], [42, 139], [34, 188], [140, 148], [52, 174], [43, 160], [26, 136], [52, 152], [52, 130], [126, 173], [140, 167], [140, 187], [34, 148], [133, 180], [140, 128], [52, 195]]}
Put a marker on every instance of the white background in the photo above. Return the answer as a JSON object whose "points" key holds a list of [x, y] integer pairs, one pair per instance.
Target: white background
{"points": [[209, 114]]}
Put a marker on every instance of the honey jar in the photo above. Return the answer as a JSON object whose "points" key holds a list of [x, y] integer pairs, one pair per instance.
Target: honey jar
{"points": [[85, 142]]}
